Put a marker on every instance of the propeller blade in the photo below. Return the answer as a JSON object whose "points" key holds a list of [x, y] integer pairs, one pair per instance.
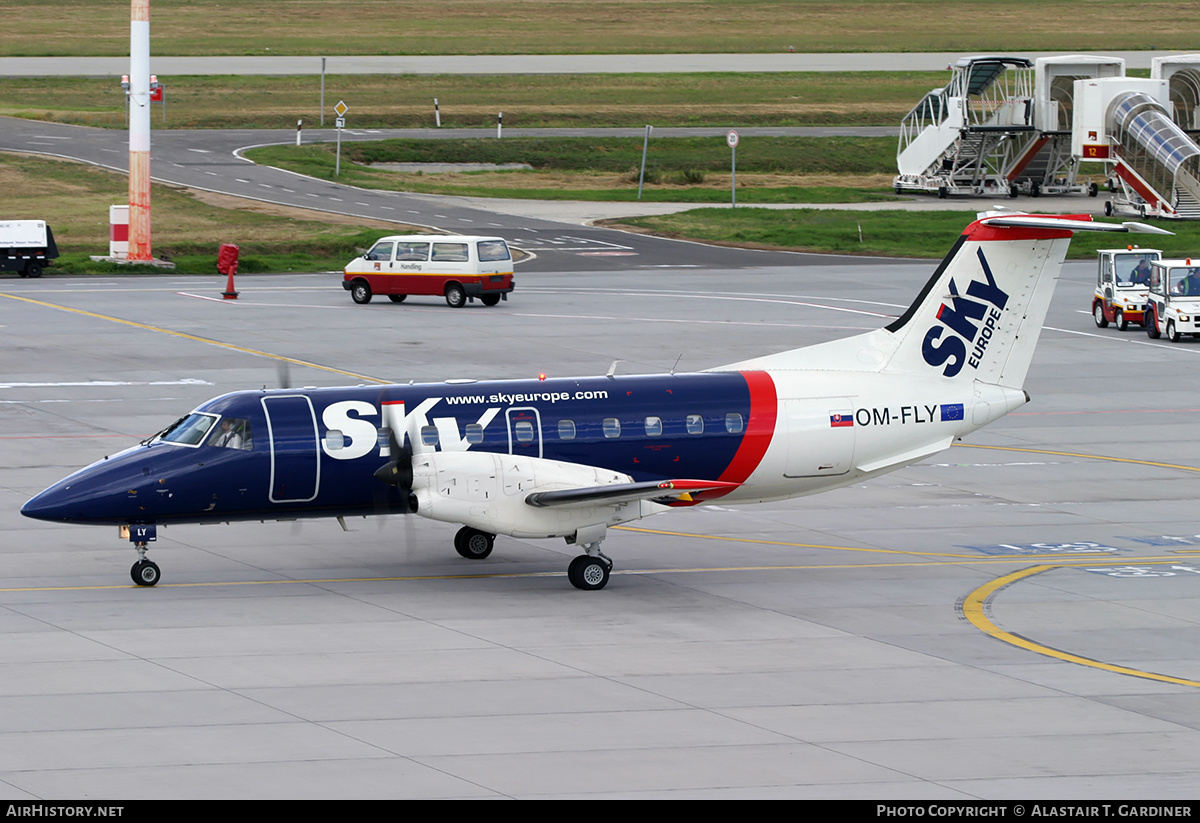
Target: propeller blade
{"points": [[398, 471]]}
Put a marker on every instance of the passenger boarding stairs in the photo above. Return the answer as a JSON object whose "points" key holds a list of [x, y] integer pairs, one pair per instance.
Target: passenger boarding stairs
{"points": [[965, 138]]}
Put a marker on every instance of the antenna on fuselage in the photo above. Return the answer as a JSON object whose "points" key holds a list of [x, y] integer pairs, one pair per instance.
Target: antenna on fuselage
{"points": [[612, 370], [677, 359]]}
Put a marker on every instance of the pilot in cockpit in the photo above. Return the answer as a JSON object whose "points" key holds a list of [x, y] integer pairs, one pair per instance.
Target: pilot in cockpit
{"points": [[233, 434]]}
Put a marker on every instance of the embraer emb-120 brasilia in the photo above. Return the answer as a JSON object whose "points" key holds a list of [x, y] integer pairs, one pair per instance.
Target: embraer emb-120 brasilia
{"points": [[572, 457]]}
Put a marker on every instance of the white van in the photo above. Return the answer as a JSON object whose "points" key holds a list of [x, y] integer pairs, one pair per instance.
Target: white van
{"points": [[459, 268]]}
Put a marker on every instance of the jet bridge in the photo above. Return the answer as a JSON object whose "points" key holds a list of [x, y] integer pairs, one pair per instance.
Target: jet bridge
{"points": [[1132, 125]]}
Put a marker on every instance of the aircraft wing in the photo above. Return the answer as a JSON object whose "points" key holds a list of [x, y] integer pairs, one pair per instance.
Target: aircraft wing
{"points": [[662, 491]]}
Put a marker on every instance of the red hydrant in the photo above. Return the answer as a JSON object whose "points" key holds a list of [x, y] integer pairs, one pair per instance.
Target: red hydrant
{"points": [[227, 263]]}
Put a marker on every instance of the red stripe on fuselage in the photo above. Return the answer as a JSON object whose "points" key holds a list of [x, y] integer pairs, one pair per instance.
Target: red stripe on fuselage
{"points": [[760, 429]]}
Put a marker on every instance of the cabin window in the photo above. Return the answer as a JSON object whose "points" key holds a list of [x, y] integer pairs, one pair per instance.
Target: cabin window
{"points": [[412, 251], [566, 429], [450, 252], [695, 424], [653, 426], [474, 433], [611, 427], [429, 435], [524, 431], [380, 251], [734, 423]]}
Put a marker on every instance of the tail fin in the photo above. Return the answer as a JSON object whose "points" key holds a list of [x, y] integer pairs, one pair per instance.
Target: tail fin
{"points": [[979, 315]]}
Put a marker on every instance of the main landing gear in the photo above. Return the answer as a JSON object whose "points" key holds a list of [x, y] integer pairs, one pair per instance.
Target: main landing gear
{"points": [[587, 572], [473, 544]]}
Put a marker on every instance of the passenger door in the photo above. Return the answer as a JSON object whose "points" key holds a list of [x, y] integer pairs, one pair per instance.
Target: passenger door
{"points": [[295, 450], [524, 431]]}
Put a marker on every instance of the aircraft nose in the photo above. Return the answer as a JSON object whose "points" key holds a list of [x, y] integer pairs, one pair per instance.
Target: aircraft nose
{"points": [[46, 505], [88, 496], [55, 503]]}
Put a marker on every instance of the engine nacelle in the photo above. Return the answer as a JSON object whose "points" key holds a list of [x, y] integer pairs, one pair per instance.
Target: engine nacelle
{"points": [[487, 491]]}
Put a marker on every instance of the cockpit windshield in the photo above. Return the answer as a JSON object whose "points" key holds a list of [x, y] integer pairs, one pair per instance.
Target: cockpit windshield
{"points": [[190, 430]]}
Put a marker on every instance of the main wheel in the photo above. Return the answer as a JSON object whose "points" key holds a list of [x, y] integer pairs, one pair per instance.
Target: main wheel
{"points": [[473, 544], [1098, 314], [456, 297], [1151, 325], [588, 574], [145, 573], [490, 299], [360, 292], [397, 298], [1119, 320]]}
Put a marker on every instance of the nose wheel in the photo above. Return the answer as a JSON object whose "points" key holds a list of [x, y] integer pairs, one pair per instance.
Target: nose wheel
{"points": [[144, 572]]}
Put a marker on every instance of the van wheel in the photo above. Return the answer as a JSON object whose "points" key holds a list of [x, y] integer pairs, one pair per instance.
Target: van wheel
{"points": [[490, 299], [456, 297], [397, 298], [33, 270], [1119, 320], [360, 292], [1151, 325], [1172, 332], [1098, 315]]}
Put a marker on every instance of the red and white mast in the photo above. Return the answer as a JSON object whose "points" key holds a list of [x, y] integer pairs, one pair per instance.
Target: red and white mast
{"points": [[139, 130]]}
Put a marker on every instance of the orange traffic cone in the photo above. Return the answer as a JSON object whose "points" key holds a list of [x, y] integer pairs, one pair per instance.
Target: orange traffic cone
{"points": [[229, 293]]}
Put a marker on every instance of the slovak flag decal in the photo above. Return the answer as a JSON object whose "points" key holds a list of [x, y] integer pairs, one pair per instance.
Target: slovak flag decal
{"points": [[841, 418]]}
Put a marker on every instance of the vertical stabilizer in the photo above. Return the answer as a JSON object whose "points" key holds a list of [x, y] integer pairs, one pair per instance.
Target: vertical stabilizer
{"points": [[977, 318]]}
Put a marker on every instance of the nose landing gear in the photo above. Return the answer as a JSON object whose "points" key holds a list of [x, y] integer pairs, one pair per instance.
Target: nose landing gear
{"points": [[144, 572]]}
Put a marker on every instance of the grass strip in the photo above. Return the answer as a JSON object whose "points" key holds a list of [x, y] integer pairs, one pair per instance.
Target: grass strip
{"points": [[926, 234]]}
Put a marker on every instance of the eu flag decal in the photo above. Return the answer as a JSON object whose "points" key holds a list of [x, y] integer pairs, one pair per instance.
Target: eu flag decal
{"points": [[952, 411]]}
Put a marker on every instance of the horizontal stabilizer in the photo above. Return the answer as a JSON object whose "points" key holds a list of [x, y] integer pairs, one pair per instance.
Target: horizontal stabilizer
{"points": [[1037, 221], [664, 491]]}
